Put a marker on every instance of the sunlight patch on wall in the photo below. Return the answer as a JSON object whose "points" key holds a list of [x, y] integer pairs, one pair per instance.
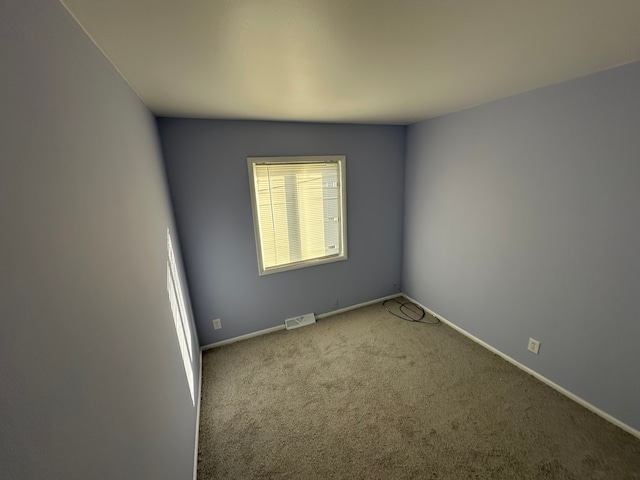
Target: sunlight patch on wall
{"points": [[180, 319]]}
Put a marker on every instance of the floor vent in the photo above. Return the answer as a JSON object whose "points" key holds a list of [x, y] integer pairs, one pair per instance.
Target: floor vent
{"points": [[301, 321]]}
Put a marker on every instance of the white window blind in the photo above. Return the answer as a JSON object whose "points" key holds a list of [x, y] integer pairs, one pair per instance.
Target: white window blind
{"points": [[299, 211]]}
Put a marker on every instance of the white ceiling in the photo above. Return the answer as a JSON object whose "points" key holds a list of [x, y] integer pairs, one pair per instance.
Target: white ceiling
{"points": [[357, 61]]}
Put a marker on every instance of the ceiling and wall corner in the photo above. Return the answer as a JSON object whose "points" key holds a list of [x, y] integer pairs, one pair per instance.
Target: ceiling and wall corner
{"points": [[356, 61]]}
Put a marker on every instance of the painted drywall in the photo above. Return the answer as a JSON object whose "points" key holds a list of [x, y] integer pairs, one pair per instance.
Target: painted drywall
{"points": [[207, 169], [522, 220], [92, 382]]}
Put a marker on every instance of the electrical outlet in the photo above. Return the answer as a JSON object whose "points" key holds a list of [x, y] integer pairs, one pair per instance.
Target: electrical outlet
{"points": [[534, 346], [217, 324]]}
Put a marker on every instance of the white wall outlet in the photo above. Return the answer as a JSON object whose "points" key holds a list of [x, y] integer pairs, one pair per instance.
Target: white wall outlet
{"points": [[217, 324], [534, 346]]}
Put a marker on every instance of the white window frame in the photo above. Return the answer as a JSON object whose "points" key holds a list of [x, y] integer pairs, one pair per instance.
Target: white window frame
{"points": [[342, 255]]}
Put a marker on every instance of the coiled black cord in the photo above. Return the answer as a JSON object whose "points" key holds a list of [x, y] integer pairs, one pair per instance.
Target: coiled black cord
{"points": [[409, 312]]}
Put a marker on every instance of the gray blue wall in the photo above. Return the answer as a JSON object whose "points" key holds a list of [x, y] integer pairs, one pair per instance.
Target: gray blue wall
{"points": [[91, 380], [522, 219], [207, 170]]}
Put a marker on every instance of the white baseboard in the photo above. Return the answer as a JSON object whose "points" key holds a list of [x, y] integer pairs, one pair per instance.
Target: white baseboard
{"points": [[281, 327], [543, 379], [242, 337], [359, 305], [195, 452]]}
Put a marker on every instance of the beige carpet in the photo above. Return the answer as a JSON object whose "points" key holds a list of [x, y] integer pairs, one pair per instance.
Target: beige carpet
{"points": [[365, 395]]}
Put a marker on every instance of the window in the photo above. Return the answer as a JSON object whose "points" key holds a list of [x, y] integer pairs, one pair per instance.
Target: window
{"points": [[299, 207], [180, 319]]}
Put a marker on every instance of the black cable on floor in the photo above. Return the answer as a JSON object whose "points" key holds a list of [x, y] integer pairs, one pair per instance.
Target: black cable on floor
{"points": [[409, 311]]}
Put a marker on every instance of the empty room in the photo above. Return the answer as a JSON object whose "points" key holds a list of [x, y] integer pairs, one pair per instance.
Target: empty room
{"points": [[314, 239]]}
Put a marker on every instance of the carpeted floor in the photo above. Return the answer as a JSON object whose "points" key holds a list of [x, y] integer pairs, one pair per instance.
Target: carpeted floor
{"points": [[365, 395]]}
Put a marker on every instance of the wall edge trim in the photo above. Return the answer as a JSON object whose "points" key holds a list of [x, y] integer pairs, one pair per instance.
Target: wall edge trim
{"points": [[197, 439], [282, 327], [601, 413], [242, 337], [353, 307]]}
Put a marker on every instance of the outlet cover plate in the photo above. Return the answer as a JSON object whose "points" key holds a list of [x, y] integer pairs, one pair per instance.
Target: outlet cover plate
{"points": [[534, 346], [217, 324]]}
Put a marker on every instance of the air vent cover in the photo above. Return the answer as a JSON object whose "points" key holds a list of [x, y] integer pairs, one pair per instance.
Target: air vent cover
{"points": [[301, 321]]}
